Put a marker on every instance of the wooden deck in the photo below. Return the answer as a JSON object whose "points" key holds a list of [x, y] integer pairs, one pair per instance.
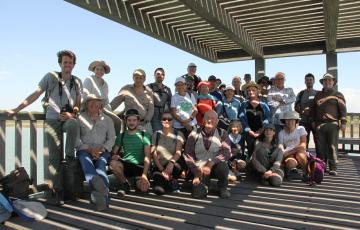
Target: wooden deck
{"points": [[335, 204]]}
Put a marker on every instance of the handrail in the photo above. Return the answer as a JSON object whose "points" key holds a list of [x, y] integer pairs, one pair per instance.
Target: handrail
{"points": [[347, 138]]}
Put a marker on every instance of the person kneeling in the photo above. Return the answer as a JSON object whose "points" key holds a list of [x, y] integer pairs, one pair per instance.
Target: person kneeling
{"points": [[207, 151], [97, 136], [293, 138], [134, 157], [166, 150], [267, 157]]}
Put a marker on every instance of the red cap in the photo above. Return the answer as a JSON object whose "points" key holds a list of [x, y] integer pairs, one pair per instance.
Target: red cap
{"points": [[203, 83]]}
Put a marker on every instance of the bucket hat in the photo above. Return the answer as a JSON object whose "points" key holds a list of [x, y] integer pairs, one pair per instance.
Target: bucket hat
{"points": [[97, 63]]}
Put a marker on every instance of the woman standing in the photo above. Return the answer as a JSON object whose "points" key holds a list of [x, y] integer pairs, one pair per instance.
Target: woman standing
{"points": [[253, 115], [96, 85]]}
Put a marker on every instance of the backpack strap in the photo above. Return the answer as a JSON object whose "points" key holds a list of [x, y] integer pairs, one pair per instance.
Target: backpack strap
{"points": [[158, 133]]}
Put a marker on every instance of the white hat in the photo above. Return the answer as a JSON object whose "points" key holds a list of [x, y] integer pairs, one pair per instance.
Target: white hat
{"points": [[180, 79], [229, 87]]}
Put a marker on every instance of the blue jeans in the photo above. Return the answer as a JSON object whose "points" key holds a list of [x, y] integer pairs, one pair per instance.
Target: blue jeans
{"points": [[92, 167]]}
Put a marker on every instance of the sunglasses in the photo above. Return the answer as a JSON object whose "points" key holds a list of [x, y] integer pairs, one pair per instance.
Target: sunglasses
{"points": [[167, 119]]}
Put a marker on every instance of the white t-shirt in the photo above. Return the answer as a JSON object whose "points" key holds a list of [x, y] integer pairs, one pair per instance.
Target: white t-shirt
{"points": [[183, 105], [290, 140]]}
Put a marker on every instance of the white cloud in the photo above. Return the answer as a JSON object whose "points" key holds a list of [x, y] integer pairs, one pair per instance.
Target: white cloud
{"points": [[352, 96]]}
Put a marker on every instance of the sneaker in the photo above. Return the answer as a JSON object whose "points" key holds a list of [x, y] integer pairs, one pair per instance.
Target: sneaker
{"points": [[199, 191], [99, 199], [224, 193], [332, 173], [98, 184], [232, 177], [158, 190], [124, 188]]}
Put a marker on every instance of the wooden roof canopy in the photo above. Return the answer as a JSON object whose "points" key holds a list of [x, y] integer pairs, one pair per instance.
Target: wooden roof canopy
{"points": [[232, 30]]}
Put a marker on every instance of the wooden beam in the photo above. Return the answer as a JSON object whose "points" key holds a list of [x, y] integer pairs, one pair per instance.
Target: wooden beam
{"points": [[216, 16], [331, 15], [331, 65], [129, 14]]}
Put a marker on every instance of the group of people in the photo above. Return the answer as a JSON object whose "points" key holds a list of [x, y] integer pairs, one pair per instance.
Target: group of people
{"points": [[205, 130]]}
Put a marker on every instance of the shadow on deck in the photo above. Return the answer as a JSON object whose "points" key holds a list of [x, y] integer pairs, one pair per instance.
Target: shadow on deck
{"points": [[335, 204]]}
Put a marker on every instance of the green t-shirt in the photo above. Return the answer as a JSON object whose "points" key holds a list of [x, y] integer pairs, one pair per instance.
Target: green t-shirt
{"points": [[133, 146]]}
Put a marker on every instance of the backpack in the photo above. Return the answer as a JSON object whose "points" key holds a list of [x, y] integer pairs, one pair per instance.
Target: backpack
{"points": [[16, 183], [315, 169]]}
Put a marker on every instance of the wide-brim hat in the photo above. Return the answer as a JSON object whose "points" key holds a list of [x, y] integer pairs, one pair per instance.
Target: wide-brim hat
{"points": [[290, 115], [203, 83], [326, 76], [93, 97], [97, 63], [251, 84]]}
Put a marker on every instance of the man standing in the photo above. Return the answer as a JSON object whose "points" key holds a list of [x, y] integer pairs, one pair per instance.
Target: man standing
{"points": [[133, 160], [162, 98], [213, 90], [247, 79], [304, 100], [329, 114], [191, 72], [280, 100], [97, 137], [206, 152], [62, 101]]}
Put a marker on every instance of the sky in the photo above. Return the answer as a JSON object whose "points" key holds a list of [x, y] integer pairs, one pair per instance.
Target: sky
{"points": [[33, 31]]}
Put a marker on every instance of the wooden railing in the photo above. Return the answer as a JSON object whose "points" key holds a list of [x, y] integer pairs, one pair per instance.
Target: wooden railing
{"points": [[17, 120], [349, 141]]}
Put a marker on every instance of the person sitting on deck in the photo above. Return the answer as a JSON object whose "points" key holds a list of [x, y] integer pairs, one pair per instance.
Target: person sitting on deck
{"points": [[97, 137], [267, 157], [131, 154], [166, 152], [238, 160], [293, 138], [207, 151]]}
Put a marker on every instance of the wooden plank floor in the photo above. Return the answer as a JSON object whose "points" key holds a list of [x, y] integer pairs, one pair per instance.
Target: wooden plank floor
{"points": [[335, 204]]}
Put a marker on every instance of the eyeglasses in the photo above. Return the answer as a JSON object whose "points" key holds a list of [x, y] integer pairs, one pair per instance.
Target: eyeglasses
{"points": [[167, 119]]}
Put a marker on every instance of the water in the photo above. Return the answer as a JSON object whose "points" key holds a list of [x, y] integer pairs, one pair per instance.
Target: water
{"points": [[10, 150]]}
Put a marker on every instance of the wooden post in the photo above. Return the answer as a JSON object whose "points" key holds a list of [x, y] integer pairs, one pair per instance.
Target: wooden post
{"points": [[33, 151], [331, 65], [18, 143], [259, 68], [2, 147]]}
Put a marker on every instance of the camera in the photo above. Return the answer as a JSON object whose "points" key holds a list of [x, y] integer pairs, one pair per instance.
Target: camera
{"points": [[66, 108]]}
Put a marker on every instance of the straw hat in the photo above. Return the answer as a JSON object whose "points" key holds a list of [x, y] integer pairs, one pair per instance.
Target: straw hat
{"points": [[251, 84], [93, 97], [97, 63]]}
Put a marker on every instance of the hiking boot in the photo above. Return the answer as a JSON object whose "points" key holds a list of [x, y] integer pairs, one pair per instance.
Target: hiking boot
{"points": [[264, 181], [224, 193], [99, 199], [332, 173], [294, 174], [54, 197], [174, 186], [158, 190], [199, 191], [124, 188], [98, 184]]}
